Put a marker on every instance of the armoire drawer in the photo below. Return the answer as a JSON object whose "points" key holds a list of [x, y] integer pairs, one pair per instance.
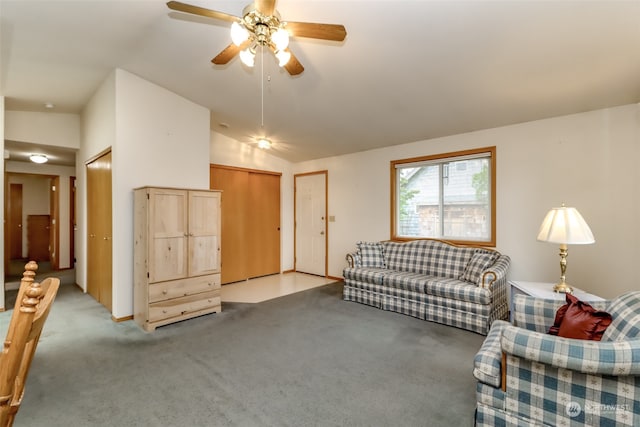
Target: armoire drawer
{"points": [[183, 287], [183, 305]]}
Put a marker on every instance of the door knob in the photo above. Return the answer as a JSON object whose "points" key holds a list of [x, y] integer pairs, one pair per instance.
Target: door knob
{"points": [[322, 233]]}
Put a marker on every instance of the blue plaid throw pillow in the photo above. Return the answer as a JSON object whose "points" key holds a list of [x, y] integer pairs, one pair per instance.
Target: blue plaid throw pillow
{"points": [[625, 311], [371, 254], [479, 262]]}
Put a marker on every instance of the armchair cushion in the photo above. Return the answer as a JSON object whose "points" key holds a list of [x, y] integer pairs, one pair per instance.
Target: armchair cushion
{"points": [[625, 311], [371, 254], [578, 319]]}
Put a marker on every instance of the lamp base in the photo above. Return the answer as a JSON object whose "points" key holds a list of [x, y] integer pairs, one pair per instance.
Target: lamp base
{"points": [[563, 288]]}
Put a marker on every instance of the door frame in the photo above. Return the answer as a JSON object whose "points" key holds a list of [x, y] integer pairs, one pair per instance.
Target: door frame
{"points": [[54, 215], [72, 221], [326, 215]]}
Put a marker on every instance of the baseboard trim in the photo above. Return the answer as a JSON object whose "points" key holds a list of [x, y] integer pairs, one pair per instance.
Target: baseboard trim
{"points": [[288, 271], [121, 319], [338, 279]]}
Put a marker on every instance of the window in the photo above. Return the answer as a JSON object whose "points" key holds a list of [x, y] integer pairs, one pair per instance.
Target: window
{"points": [[448, 196]]}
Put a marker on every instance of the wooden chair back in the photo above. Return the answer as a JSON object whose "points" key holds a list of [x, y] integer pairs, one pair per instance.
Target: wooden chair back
{"points": [[29, 314]]}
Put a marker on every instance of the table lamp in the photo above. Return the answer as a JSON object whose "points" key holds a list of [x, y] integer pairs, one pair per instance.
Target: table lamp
{"points": [[564, 226]]}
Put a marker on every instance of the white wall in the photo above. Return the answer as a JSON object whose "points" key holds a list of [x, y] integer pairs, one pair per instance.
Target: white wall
{"points": [[58, 129], [157, 138], [229, 152], [586, 160]]}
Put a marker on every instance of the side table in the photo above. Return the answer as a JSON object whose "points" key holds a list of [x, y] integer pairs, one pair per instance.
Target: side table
{"points": [[543, 290]]}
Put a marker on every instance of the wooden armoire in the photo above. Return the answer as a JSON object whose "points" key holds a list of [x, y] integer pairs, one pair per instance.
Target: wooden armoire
{"points": [[176, 255]]}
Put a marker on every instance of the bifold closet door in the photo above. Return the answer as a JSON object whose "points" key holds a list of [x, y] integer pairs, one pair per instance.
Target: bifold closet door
{"points": [[233, 184], [250, 222], [264, 224], [99, 220]]}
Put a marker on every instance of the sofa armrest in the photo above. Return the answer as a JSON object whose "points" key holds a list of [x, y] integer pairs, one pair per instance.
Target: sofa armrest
{"points": [[487, 362], [496, 273], [353, 259], [615, 358]]}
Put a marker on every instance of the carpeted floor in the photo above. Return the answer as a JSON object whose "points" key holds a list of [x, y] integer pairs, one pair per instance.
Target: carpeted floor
{"points": [[307, 359]]}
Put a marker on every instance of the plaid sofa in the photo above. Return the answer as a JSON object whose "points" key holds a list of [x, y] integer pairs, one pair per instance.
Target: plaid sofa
{"points": [[527, 377], [432, 280]]}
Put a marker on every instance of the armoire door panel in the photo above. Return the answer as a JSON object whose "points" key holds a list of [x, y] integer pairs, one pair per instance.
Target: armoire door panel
{"points": [[204, 229], [169, 234], [203, 255], [168, 255], [170, 209]]}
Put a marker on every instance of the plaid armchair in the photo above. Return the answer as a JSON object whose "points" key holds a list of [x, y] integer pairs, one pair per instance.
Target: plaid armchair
{"points": [[529, 378]]}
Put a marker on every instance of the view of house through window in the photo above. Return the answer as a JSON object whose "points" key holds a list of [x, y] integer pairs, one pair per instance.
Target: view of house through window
{"points": [[449, 196]]}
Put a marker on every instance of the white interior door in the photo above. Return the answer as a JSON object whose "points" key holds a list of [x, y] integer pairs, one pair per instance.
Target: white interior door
{"points": [[311, 219]]}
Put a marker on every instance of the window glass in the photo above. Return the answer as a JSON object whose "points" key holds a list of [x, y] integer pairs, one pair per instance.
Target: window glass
{"points": [[447, 197]]}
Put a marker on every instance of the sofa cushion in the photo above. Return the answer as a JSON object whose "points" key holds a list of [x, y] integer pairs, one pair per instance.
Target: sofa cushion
{"points": [[578, 319], [365, 274], [428, 257], [371, 254], [625, 311], [479, 262], [414, 282], [459, 290]]}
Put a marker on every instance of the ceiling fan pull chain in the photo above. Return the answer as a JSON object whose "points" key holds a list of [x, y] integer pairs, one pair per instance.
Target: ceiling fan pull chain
{"points": [[262, 86]]}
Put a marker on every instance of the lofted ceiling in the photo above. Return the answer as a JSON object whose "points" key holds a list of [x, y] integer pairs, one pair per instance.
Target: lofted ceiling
{"points": [[407, 70]]}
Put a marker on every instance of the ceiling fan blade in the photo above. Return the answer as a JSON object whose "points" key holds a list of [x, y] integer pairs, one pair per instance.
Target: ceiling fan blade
{"points": [[229, 52], [196, 10], [333, 32], [294, 67], [265, 7]]}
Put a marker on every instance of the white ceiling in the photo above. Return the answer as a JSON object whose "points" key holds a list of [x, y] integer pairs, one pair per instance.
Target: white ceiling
{"points": [[407, 71]]}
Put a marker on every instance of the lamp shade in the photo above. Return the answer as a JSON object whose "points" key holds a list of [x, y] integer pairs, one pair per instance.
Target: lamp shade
{"points": [[565, 225]]}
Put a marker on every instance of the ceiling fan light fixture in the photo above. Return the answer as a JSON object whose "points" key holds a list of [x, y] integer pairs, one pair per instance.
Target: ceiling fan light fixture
{"points": [[239, 34], [38, 158], [248, 57], [280, 38], [264, 143], [283, 57]]}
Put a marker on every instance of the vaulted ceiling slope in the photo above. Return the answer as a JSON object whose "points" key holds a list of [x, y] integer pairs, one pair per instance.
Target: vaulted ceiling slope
{"points": [[407, 70]]}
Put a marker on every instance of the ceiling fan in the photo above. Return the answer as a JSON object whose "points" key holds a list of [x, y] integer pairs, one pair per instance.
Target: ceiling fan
{"points": [[261, 25]]}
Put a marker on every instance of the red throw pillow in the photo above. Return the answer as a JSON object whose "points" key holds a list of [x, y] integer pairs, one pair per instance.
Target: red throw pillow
{"points": [[578, 319]]}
